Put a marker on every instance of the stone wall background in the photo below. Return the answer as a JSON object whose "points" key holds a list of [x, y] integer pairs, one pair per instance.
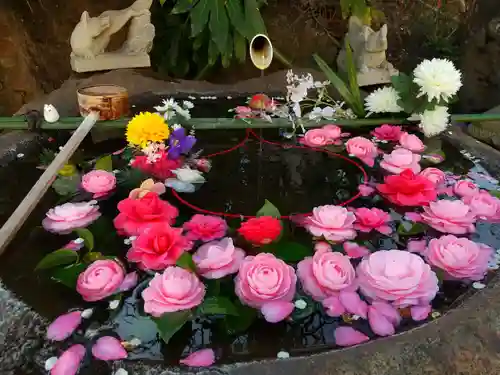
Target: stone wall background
{"points": [[34, 41]]}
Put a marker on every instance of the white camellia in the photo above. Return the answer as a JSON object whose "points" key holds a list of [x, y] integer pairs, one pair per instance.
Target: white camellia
{"points": [[189, 175], [383, 100], [438, 79]]}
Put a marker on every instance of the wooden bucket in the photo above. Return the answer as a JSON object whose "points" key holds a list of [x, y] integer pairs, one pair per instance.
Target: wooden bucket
{"points": [[110, 100]]}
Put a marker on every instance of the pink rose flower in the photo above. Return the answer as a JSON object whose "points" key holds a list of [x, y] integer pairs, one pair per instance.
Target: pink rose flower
{"points": [[411, 142], [205, 228], [446, 216], [138, 214], [408, 189], [465, 188], [158, 246], [98, 182], [70, 216], [334, 223], [217, 259], [100, 280], [459, 257], [362, 148], [176, 289], [399, 160], [484, 206], [397, 276], [325, 274], [161, 169], [333, 132], [316, 138], [435, 175], [263, 279], [368, 219], [387, 133]]}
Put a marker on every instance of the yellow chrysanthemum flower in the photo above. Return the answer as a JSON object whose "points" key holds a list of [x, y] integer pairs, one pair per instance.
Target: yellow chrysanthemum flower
{"points": [[147, 127], [67, 170]]}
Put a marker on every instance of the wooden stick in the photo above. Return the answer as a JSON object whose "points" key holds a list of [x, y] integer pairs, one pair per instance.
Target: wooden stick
{"points": [[17, 219]]}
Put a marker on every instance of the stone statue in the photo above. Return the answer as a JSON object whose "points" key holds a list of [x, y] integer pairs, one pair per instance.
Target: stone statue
{"points": [[369, 53], [92, 35]]}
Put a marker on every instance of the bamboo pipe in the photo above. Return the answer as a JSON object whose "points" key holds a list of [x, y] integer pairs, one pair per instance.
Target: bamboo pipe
{"points": [[17, 219], [261, 52], [71, 123]]}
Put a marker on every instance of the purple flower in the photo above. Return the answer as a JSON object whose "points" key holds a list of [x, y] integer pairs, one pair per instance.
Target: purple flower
{"points": [[180, 143]]}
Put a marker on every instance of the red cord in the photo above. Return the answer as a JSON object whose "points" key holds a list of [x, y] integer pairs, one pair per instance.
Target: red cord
{"points": [[240, 144]]}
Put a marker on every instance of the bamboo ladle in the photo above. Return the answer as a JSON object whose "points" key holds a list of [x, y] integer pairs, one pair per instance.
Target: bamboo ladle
{"points": [[17, 219]]}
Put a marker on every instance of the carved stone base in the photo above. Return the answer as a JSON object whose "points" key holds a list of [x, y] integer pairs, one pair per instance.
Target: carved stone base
{"points": [[376, 76], [109, 61]]}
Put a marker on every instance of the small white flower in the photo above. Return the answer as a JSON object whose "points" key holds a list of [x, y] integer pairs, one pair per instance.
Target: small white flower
{"points": [[187, 104], [113, 305], [79, 241], [165, 105], [187, 174], [121, 371], [438, 79], [300, 304], [356, 317], [283, 355], [316, 113], [132, 238], [20, 155], [435, 121], [478, 285], [116, 171], [383, 100], [190, 97], [50, 363], [127, 241], [87, 313], [229, 97], [328, 112], [435, 314]]}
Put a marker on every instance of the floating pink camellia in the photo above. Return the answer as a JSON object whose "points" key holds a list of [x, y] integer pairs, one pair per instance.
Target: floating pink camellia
{"points": [[387, 132], [411, 142], [98, 182], [100, 280], [61, 328], [484, 206], [368, 219], [217, 259], [200, 358], [399, 160], [465, 188], [353, 250], [69, 362], [334, 223], [362, 148], [408, 189], [316, 138], [408, 281], [205, 228], [461, 258], [275, 312], [348, 336], [435, 175], [447, 216], [108, 348], [70, 216]]}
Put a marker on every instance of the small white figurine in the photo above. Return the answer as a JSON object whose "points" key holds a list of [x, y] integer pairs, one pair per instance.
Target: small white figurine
{"points": [[50, 113]]}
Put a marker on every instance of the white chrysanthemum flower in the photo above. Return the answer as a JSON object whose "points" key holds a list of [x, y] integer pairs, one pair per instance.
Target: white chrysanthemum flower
{"points": [[437, 78], [382, 100], [433, 122]]}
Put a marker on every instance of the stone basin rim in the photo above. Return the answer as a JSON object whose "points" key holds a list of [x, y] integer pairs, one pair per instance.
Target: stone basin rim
{"points": [[471, 323]]}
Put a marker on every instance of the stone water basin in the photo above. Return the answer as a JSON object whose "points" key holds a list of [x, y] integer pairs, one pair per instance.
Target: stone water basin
{"points": [[295, 179]]}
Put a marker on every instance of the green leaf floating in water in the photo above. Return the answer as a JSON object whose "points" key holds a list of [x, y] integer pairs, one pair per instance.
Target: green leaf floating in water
{"points": [[68, 275], [105, 163], [186, 261], [61, 257], [289, 251], [269, 209], [217, 306], [66, 185], [87, 237], [409, 229], [168, 324]]}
